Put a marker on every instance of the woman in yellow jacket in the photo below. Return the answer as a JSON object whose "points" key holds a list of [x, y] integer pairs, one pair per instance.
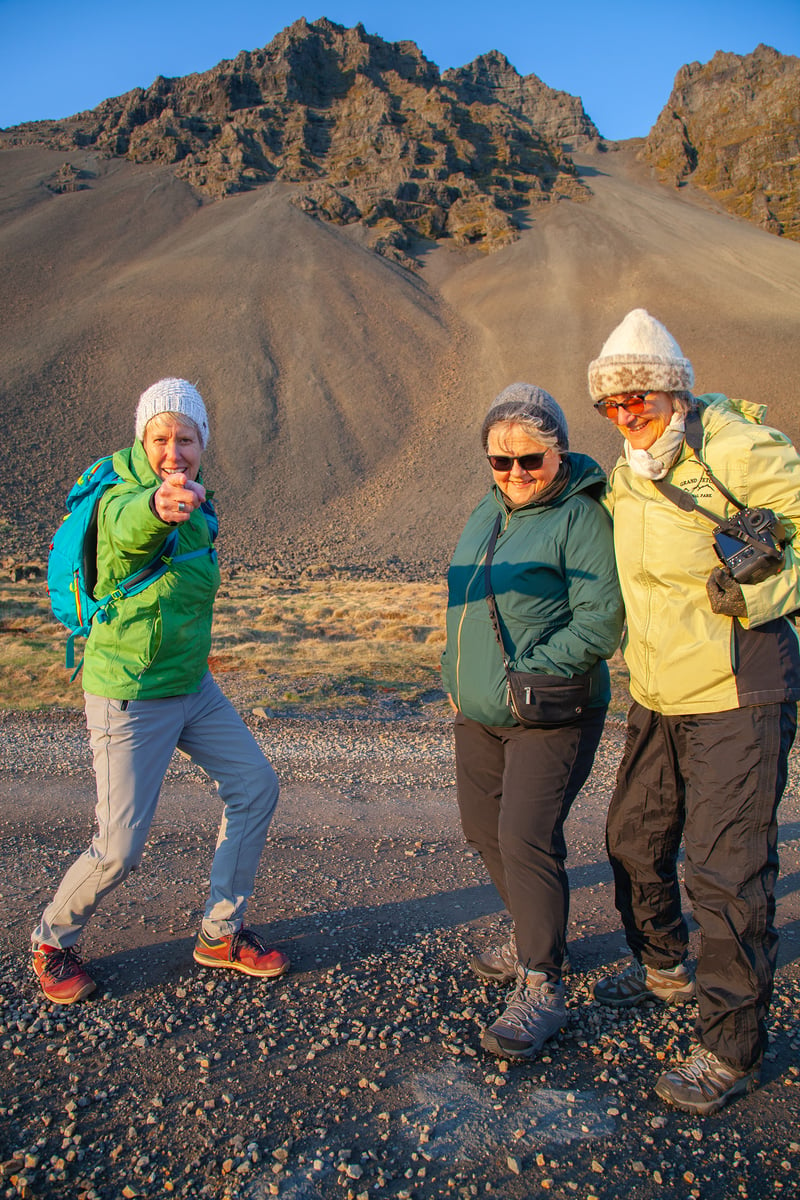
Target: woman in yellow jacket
{"points": [[714, 676]]}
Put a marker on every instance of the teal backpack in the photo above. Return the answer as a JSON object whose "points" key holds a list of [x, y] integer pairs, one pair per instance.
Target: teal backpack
{"points": [[72, 561]]}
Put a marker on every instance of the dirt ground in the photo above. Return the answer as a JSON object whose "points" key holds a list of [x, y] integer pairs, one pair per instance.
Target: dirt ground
{"points": [[358, 1074]]}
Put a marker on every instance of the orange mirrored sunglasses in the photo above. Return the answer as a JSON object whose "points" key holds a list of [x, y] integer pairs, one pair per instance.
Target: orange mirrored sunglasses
{"points": [[634, 403]]}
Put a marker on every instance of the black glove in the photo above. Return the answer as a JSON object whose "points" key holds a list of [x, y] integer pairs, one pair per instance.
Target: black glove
{"points": [[725, 595]]}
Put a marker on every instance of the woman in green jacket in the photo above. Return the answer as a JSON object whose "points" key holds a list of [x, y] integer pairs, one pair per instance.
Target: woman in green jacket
{"points": [[148, 691], [554, 588]]}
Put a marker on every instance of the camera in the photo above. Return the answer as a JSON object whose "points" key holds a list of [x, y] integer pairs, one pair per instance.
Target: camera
{"points": [[750, 544]]}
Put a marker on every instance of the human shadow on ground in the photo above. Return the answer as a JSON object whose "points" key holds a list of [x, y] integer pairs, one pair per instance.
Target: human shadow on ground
{"points": [[343, 937], [334, 936]]}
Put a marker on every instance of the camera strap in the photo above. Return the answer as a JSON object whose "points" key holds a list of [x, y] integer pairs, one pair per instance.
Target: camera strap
{"points": [[685, 500], [694, 440]]}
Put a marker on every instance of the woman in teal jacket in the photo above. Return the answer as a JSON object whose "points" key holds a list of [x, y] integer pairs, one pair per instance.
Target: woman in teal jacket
{"points": [[559, 614], [148, 691]]}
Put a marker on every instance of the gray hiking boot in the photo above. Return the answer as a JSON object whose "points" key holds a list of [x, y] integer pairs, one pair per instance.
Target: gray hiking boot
{"points": [[498, 964], [638, 983], [535, 1013], [703, 1083]]}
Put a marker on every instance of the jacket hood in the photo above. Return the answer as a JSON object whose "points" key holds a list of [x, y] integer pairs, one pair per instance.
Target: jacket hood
{"points": [[133, 465], [717, 411], [723, 408]]}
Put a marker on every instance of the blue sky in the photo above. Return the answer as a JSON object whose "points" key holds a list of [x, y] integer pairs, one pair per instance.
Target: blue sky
{"points": [[58, 57]]}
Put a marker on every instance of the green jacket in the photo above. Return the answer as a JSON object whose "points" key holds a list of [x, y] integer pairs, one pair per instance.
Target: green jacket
{"points": [[556, 592], [682, 657], [155, 644]]}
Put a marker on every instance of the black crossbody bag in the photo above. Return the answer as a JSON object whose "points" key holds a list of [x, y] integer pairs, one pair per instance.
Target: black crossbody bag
{"points": [[537, 701]]}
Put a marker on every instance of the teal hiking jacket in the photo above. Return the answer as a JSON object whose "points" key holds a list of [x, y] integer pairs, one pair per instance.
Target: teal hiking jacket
{"points": [[556, 591]]}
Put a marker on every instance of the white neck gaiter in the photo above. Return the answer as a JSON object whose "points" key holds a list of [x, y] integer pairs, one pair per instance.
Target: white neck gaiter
{"points": [[655, 462]]}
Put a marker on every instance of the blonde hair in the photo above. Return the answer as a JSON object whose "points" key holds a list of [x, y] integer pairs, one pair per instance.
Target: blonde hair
{"points": [[167, 420]]}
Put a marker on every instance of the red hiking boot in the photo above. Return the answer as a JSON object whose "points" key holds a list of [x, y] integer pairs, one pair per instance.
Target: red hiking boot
{"points": [[241, 951], [61, 974]]}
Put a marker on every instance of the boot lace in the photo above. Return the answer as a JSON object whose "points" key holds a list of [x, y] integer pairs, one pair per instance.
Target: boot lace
{"points": [[526, 1006], [63, 964], [246, 937]]}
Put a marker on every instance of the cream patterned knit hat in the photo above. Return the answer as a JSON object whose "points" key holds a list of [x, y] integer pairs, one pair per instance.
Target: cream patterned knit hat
{"points": [[641, 355], [175, 396]]}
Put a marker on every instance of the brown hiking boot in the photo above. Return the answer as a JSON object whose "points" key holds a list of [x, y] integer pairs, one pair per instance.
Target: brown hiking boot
{"points": [[703, 1083], [498, 964], [638, 983]]}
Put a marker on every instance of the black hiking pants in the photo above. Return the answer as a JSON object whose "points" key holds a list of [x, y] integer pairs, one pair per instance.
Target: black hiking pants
{"points": [[515, 789], [715, 781]]}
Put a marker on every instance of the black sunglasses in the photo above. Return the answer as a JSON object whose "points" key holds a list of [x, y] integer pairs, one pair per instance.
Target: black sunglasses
{"points": [[528, 462]]}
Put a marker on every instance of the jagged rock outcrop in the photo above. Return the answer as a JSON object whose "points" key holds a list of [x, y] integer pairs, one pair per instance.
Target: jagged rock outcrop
{"points": [[491, 78], [732, 126], [369, 129]]}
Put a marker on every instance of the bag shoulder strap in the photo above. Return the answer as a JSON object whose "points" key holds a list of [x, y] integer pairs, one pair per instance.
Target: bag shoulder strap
{"points": [[487, 575]]}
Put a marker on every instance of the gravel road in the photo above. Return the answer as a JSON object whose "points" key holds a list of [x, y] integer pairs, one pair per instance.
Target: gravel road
{"points": [[358, 1075]]}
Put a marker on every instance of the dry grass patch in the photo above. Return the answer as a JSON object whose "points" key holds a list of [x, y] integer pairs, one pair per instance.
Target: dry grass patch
{"points": [[328, 644], [32, 647], [286, 646], [283, 645]]}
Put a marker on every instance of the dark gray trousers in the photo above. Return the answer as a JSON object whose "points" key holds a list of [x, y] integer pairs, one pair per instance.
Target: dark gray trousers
{"points": [[715, 781], [515, 790]]}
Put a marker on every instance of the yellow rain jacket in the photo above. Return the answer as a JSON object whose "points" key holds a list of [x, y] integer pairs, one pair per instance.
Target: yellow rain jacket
{"points": [[682, 657]]}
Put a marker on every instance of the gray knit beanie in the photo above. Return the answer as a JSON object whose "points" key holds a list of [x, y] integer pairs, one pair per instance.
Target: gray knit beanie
{"points": [[641, 355], [523, 401], [174, 396]]}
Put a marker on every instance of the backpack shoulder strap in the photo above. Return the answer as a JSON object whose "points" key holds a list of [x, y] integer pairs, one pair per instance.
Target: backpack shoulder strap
{"points": [[694, 440]]}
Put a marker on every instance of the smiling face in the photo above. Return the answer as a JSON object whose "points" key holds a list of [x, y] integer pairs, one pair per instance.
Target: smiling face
{"points": [[172, 444], [645, 428], [518, 485]]}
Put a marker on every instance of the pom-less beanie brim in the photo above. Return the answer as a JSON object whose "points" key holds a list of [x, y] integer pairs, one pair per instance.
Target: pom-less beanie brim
{"points": [[531, 403], [619, 373]]}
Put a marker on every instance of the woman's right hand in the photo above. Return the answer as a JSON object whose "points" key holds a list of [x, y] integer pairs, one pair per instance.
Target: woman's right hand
{"points": [[177, 498]]}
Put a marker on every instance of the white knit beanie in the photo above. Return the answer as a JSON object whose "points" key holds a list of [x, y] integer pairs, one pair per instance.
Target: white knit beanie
{"points": [[641, 355], [175, 396]]}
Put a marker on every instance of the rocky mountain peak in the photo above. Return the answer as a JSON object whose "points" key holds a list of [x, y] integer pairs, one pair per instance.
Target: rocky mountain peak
{"points": [[368, 130], [732, 127], [492, 79]]}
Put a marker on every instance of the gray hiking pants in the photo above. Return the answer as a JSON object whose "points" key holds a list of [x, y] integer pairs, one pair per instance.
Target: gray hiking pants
{"points": [[132, 748]]}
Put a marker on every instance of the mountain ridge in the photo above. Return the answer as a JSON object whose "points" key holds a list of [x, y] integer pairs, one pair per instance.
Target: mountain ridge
{"points": [[346, 388], [371, 130]]}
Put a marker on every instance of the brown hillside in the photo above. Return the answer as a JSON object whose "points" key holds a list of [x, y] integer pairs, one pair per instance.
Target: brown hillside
{"points": [[345, 391]]}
